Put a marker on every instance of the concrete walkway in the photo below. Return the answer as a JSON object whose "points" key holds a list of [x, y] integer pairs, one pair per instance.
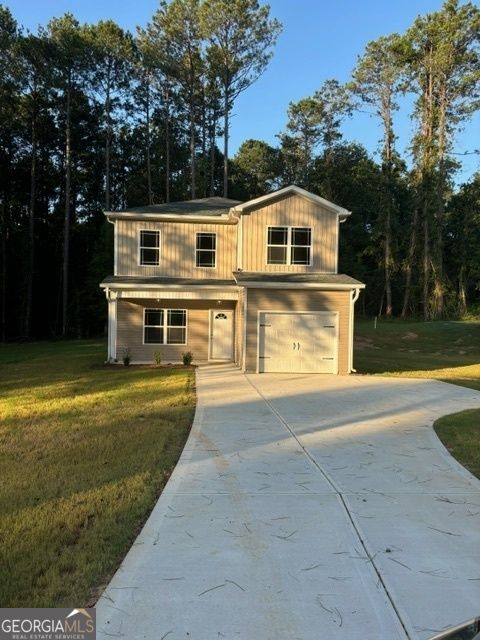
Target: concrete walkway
{"points": [[306, 508]]}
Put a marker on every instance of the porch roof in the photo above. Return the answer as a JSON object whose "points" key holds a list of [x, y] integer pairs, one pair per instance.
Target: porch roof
{"points": [[318, 280], [139, 282]]}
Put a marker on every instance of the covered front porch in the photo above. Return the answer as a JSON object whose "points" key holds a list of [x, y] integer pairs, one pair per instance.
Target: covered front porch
{"points": [[170, 320]]}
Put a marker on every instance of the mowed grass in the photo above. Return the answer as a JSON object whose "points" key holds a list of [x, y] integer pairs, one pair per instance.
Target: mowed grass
{"points": [[448, 351], [85, 450]]}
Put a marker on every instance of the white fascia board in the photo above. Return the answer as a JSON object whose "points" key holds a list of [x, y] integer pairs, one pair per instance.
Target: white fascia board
{"points": [[178, 295], [292, 189], [302, 285], [169, 217]]}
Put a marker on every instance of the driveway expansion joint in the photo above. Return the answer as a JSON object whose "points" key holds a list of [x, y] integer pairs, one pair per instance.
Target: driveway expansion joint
{"points": [[338, 492]]}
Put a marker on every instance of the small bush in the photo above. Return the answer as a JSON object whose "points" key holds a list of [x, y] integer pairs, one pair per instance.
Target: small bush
{"points": [[157, 357], [187, 357], [126, 357]]}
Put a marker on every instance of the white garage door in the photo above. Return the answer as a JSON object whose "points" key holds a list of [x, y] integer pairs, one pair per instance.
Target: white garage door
{"points": [[298, 342]]}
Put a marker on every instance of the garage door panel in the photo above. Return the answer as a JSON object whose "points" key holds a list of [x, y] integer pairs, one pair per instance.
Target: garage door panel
{"points": [[298, 342]]}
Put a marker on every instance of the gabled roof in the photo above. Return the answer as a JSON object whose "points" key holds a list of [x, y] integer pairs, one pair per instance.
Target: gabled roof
{"points": [[291, 190], [199, 208]]}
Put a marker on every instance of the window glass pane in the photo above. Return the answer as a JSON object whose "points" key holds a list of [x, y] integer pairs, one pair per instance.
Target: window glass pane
{"points": [[301, 237], [149, 238], [176, 335], [149, 256], [206, 240], [153, 335], [277, 255], [154, 316], [205, 259], [277, 235], [300, 255], [177, 318]]}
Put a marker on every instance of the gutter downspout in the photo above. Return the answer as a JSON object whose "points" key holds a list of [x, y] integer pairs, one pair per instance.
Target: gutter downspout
{"points": [[353, 298]]}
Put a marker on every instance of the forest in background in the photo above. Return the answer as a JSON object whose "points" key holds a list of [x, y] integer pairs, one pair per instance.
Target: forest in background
{"points": [[95, 118]]}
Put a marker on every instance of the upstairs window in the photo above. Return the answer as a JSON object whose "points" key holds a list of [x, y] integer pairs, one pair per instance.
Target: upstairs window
{"points": [[206, 250], [165, 326], [149, 248], [289, 245]]}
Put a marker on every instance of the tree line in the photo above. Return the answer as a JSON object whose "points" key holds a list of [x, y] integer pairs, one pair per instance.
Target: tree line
{"points": [[94, 118]]}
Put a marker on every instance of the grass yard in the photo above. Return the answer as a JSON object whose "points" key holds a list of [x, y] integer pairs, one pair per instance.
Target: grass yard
{"points": [[448, 351], [85, 450]]}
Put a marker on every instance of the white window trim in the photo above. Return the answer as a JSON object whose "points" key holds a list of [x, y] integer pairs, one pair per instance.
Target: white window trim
{"points": [[213, 233], [165, 327], [289, 246], [139, 247]]}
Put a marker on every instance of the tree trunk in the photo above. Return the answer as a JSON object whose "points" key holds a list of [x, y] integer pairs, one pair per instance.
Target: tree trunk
{"points": [[31, 223], [225, 143], [167, 145], [66, 227], [192, 148], [438, 284], [147, 143], [4, 270], [388, 258], [107, 144], [408, 268], [212, 152], [204, 146], [426, 266], [462, 293]]}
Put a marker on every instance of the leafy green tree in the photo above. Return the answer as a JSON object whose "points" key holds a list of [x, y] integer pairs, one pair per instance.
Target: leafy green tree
{"points": [[68, 55], [33, 54], [442, 54], [111, 50], [175, 30], [463, 243], [256, 169], [378, 80], [10, 83], [304, 132], [241, 36]]}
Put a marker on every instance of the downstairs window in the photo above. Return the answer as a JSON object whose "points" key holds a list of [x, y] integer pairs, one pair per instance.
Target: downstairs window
{"points": [[165, 326]]}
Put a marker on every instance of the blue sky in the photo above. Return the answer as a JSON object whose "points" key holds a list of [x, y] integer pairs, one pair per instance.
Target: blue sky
{"points": [[321, 39]]}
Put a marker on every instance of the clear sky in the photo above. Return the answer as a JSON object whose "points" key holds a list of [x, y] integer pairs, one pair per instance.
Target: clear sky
{"points": [[321, 39]]}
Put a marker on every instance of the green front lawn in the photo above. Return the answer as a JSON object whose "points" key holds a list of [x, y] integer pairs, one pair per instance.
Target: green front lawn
{"points": [[85, 450], [460, 433], [448, 351]]}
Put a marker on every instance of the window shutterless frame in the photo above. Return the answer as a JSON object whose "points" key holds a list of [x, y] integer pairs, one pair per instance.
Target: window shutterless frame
{"points": [[289, 243], [148, 248], [205, 250], [170, 325]]}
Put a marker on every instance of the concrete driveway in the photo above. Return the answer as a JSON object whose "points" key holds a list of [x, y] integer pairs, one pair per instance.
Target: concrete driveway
{"points": [[306, 507]]}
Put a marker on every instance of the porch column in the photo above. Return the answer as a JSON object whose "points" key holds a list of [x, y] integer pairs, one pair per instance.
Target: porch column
{"points": [[112, 326]]}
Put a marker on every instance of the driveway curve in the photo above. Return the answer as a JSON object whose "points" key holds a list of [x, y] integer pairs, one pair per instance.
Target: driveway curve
{"points": [[302, 508]]}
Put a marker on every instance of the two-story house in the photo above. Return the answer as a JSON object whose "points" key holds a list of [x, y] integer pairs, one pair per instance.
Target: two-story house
{"points": [[256, 283]]}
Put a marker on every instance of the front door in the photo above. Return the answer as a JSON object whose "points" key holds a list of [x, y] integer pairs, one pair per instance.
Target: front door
{"points": [[221, 334]]}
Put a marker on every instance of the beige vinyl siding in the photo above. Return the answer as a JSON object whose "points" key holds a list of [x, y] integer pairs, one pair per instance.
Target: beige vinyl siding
{"points": [[297, 300], [130, 329], [177, 249], [290, 211]]}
